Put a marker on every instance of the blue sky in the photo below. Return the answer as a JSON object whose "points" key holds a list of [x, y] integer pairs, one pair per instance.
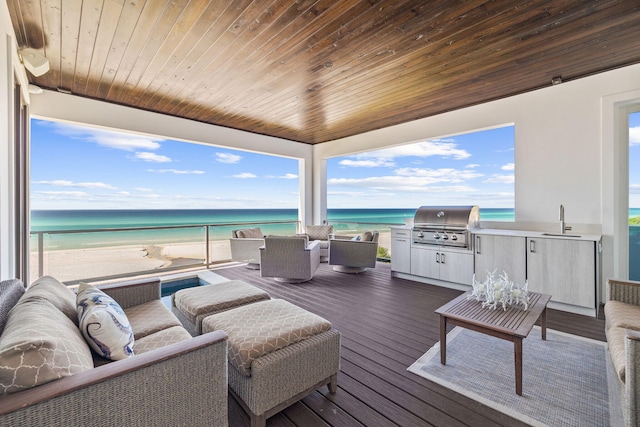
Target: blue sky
{"points": [[475, 168], [84, 168]]}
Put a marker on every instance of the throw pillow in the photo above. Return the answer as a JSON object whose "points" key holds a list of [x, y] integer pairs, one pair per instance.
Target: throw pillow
{"points": [[104, 324], [52, 290], [356, 238], [39, 344], [250, 233], [367, 236]]}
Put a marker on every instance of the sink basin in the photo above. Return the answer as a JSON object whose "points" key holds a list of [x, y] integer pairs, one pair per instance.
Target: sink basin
{"points": [[560, 235]]}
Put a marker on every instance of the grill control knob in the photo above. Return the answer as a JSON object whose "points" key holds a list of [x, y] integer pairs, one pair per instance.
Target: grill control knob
{"points": [[436, 236], [454, 237], [445, 236]]}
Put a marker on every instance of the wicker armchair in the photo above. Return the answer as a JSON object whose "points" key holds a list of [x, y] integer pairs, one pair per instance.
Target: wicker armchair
{"points": [[245, 246], [622, 313], [351, 255], [289, 259]]}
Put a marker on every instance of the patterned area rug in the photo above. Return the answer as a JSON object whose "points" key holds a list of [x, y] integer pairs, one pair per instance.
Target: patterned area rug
{"points": [[564, 379]]}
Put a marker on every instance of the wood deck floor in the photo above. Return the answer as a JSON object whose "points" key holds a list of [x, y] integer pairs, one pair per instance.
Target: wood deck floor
{"points": [[386, 324]]}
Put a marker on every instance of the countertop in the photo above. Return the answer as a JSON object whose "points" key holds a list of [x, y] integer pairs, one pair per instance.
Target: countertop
{"points": [[526, 233]]}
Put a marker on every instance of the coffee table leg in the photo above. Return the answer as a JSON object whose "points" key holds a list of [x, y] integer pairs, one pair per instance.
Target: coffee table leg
{"points": [[517, 344], [543, 323], [443, 340]]}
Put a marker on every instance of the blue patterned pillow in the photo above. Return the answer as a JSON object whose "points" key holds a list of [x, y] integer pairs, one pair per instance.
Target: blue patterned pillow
{"points": [[104, 324]]}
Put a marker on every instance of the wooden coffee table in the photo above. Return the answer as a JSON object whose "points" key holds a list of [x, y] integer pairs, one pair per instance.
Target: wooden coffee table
{"points": [[514, 324]]}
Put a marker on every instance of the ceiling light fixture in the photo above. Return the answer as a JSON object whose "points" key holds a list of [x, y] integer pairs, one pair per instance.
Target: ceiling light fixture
{"points": [[34, 61], [556, 80]]}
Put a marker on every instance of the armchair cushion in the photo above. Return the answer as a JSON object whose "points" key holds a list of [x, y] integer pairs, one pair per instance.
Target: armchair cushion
{"points": [[319, 232], [104, 324], [250, 233], [622, 315], [40, 344]]}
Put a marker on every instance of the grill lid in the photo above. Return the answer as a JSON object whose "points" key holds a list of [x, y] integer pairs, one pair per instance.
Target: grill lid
{"points": [[452, 217]]}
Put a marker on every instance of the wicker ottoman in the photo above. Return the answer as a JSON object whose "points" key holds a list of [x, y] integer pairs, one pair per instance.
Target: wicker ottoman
{"points": [[278, 353], [191, 305]]}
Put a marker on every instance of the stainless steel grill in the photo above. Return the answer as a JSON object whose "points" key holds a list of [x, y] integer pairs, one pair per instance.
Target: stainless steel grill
{"points": [[445, 225]]}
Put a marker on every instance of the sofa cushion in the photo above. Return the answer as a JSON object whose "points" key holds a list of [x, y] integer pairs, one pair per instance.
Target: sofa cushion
{"points": [[52, 290], [623, 315], [250, 233], [10, 293], [40, 344], [150, 317], [616, 343], [104, 324], [263, 327], [161, 339]]}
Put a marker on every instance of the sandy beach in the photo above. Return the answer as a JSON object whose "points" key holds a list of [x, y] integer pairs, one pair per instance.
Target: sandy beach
{"points": [[80, 264]]}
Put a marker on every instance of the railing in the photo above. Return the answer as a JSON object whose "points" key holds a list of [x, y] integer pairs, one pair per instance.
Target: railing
{"points": [[101, 254]]}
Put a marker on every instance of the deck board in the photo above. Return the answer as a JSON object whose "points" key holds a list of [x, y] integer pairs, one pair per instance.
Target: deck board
{"points": [[386, 324]]}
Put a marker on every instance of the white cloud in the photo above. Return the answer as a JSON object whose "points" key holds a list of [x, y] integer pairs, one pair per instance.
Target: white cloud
{"points": [[245, 175], [441, 147], [77, 194], [372, 163], [143, 189], [289, 176], [473, 166], [634, 188], [509, 167], [439, 175], [634, 135], [105, 138], [500, 179], [175, 171], [395, 184], [227, 158], [151, 157], [66, 183]]}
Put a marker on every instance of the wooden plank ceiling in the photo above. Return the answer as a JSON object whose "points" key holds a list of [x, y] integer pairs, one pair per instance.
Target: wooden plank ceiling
{"points": [[318, 70]]}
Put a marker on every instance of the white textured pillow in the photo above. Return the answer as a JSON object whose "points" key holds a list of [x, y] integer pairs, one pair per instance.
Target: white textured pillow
{"points": [[104, 324]]}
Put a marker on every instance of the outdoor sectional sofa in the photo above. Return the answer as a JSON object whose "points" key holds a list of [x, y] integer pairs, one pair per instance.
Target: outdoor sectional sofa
{"points": [[622, 313], [173, 378]]}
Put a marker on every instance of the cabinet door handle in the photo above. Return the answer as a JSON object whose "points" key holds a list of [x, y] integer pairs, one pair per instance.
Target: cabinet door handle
{"points": [[478, 245], [442, 258], [438, 257], [532, 246]]}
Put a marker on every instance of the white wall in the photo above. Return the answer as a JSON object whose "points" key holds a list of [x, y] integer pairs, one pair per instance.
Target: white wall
{"points": [[559, 151]]}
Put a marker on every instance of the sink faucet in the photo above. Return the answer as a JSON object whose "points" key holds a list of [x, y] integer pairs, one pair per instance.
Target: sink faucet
{"points": [[563, 227]]}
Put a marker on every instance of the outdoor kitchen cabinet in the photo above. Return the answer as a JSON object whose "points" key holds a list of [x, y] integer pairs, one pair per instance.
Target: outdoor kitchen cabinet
{"points": [[502, 254], [563, 268], [449, 265], [401, 250]]}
